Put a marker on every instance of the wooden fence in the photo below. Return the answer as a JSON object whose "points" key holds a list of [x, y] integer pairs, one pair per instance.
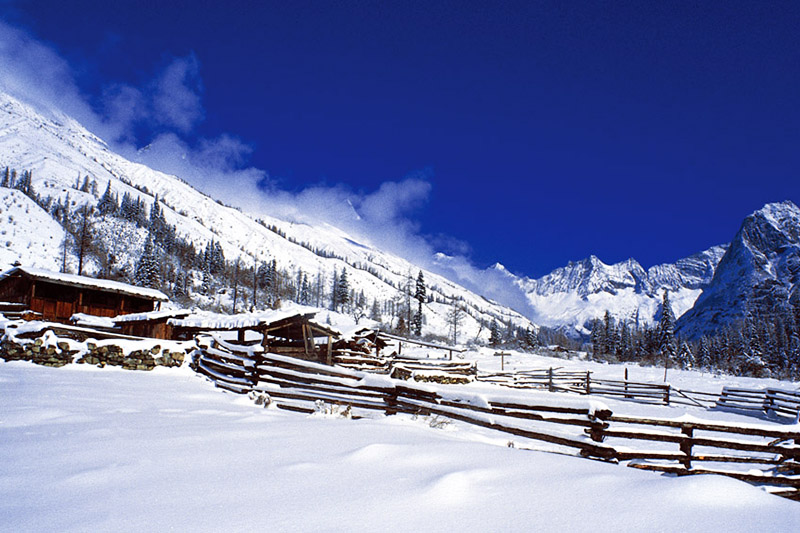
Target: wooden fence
{"points": [[582, 382], [765, 454], [761, 401]]}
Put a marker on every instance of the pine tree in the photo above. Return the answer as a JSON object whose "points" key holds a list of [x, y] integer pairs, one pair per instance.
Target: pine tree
{"points": [[335, 291], [666, 327], [147, 269], [598, 338], [419, 294], [305, 291], [625, 348], [343, 288], [108, 202], [685, 356], [531, 339], [375, 312], [704, 353], [494, 335]]}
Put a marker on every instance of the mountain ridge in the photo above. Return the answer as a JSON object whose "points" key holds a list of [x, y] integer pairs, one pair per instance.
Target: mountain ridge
{"points": [[58, 150]]}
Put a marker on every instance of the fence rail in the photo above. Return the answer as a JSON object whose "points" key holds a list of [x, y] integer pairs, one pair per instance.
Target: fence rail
{"points": [[682, 446]]}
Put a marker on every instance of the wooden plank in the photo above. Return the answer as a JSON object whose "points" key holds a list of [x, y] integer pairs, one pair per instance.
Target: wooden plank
{"points": [[298, 395], [527, 415], [587, 448], [752, 478], [322, 387], [761, 431]]}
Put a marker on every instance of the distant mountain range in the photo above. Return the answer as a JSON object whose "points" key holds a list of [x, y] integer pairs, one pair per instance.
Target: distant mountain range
{"points": [[708, 290], [571, 297]]}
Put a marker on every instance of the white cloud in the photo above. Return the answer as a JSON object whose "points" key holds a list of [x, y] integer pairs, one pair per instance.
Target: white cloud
{"points": [[35, 73], [176, 94]]}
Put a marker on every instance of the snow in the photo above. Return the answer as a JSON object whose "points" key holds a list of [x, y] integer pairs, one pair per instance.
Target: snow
{"points": [[92, 321], [91, 283], [27, 233], [209, 320], [87, 449], [153, 315]]}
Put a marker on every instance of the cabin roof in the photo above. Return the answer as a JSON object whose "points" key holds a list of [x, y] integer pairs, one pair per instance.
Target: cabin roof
{"points": [[164, 314], [84, 282], [270, 322]]}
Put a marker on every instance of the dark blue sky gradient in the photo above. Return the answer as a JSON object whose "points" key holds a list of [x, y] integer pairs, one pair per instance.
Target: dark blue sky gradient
{"points": [[550, 130]]}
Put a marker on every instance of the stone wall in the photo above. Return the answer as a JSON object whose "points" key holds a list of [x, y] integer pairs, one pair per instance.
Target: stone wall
{"points": [[49, 350]]}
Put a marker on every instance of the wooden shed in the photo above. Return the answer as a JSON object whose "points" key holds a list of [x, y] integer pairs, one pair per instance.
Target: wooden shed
{"points": [[155, 324], [291, 335], [298, 336], [57, 296]]}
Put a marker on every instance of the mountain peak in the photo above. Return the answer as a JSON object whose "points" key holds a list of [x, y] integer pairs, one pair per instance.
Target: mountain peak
{"points": [[760, 268]]}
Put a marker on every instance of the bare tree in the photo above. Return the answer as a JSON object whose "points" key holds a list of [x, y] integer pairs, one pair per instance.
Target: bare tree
{"points": [[455, 317]]}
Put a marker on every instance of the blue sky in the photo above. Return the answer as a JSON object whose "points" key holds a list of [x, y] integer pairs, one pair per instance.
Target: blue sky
{"points": [[530, 133]]}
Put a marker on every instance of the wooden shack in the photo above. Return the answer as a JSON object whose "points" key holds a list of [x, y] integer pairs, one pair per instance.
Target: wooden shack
{"points": [[298, 336], [57, 296], [291, 335]]}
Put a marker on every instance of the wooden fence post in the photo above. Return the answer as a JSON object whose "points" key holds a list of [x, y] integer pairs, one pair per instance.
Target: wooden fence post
{"points": [[626, 383], [588, 382], [550, 379], [686, 446], [666, 395]]}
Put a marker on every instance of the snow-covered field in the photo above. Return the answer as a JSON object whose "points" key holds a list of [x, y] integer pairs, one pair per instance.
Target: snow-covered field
{"points": [[88, 449]]}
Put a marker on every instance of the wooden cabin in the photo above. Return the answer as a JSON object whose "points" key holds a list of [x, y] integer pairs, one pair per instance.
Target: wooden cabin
{"points": [[56, 296]]}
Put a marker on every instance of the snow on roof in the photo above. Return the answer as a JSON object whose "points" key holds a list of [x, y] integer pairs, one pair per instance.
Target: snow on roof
{"points": [[153, 315], [89, 283], [91, 321], [208, 320]]}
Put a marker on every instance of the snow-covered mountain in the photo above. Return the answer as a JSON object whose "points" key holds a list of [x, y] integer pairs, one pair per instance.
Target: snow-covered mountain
{"points": [[760, 271], [573, 296], [60, 153]]}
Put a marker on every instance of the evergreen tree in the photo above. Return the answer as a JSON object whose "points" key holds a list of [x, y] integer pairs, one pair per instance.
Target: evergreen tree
{"points": [[6, 179], [685, 356], [494, 334], [147, 268], [335, 290], [305, 291], [108, 202], [598, 338], [625, 348], [375, 312], [666, 328], [666, 333], [343, 288], [531, 339], [704, 353], [420, 294]]}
